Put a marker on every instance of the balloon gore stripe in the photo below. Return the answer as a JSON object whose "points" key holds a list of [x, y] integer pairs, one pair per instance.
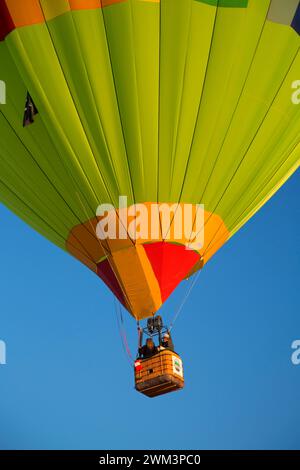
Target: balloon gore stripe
{"points": [[15, 13]]}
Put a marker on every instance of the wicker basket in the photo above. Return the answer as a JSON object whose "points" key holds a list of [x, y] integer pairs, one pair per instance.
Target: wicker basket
{"points": [[159, 374]]}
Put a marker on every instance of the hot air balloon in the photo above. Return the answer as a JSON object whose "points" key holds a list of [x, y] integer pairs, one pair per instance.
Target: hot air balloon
{"points": [[156, 101]]}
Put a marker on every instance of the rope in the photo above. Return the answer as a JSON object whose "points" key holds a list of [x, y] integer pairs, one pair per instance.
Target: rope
{"points": [[122, 332], [188, 293]]}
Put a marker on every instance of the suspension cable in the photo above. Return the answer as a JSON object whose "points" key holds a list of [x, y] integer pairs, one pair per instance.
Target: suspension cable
{"points": [[184, 300], [122, 332]]}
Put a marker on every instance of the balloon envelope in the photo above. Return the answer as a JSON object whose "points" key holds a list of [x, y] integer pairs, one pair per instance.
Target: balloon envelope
{"points": [[160, 101]]}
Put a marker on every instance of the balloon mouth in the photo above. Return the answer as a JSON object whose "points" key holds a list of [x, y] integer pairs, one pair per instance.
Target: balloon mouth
{"points": [[142, 273], [143, 277]]}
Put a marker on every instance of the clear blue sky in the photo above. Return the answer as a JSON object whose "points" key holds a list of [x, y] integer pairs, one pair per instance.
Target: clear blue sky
{"points": [[67, 383]]}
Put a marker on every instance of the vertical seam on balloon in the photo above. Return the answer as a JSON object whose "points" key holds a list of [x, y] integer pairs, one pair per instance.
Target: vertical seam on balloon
{"points": [[48, 179], [254, 137], [33, 137], [257, 206], [138, 101], [267, 180], [179, 119], [96, 108], [158, 116], [109, 258], [93, 231], [31, 210], [268, 195], [277, 166], [96, 161], [79, 117], [81, 122], [111, 160], [111, 263], [199, 107], [76, 187], [116, 95], [232, 117], [110, 155], [295, 166], [36, 162], [73, 152], [236, 107], [181, 97], [200, 102], [118, 104]]}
